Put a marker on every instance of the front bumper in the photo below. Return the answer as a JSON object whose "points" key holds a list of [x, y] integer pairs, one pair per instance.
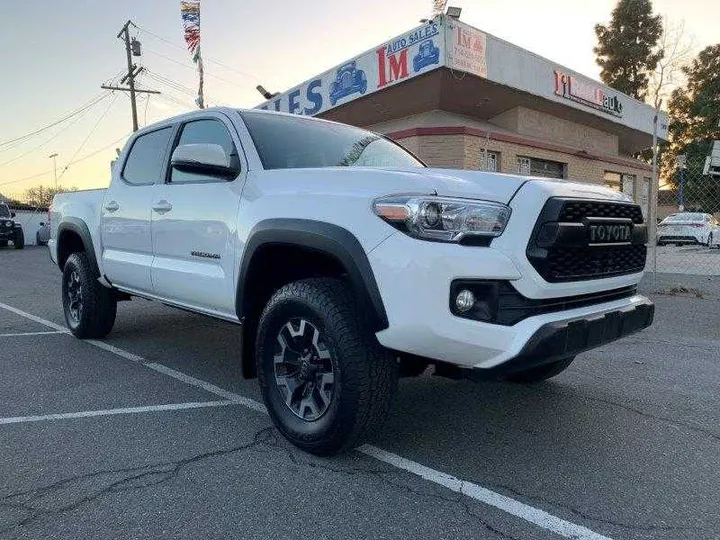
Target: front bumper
{"points": [[562, 339], [414, 278]]}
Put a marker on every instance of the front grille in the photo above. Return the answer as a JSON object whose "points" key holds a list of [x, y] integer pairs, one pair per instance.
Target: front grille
{"points": [[575, 211], [570, 264], [571, 258]]}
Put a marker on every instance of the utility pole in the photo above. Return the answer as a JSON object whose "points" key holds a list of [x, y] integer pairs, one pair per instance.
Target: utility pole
{"points": [[132, 48], [54, 158], [125, 32]]}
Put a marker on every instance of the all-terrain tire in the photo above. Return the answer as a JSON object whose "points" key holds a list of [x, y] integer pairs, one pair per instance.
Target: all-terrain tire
{"points": [[98, 304], [365, 374], [540, 373], [19, 241]]}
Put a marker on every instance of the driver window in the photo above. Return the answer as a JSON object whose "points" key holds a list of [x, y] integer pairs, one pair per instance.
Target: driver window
{"points": [[203, 132]]}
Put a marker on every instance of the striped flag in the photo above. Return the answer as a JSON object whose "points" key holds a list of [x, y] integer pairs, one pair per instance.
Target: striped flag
{"points": [[190, 13]]}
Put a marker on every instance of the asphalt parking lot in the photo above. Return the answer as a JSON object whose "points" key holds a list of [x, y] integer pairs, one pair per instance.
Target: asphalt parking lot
{"points": [[152, 433]]}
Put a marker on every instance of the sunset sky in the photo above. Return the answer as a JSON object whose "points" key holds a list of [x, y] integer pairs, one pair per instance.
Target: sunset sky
{"points": [[56, 54]]}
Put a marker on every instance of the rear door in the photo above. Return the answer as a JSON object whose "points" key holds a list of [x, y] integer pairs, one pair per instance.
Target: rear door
{"points": [[125, 214], [194, 219]]}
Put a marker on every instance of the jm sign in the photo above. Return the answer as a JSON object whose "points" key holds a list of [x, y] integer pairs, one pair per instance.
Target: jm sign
{"points": [[570, 87]]}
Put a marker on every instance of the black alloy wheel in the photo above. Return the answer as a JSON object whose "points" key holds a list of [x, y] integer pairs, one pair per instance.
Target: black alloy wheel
{"points": [[304, 369]]}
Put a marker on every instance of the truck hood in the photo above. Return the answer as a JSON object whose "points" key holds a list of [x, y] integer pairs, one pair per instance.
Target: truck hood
{"points": [[502, 188], [376, 181], [472, 184]]}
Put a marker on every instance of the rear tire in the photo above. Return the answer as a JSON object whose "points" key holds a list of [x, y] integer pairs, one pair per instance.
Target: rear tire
{"points": [[19, 241], [326, 381], [89, 307], [540, 373]]}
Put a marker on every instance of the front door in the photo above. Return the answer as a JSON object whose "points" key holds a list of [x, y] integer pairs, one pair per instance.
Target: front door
{"points": [[194, 219], [127, 252]]}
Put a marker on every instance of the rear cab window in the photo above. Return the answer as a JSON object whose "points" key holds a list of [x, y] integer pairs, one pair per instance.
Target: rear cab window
{"points": [[146, 160]]}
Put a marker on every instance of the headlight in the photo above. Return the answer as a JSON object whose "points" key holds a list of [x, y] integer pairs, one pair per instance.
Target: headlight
{"points": [[443, 218]]}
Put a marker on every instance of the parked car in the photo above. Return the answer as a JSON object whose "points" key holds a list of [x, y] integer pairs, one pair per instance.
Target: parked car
{"points": [[348, 80], [10, 230], [688, 228], [43, 234], [345, 276], [428, 54]]}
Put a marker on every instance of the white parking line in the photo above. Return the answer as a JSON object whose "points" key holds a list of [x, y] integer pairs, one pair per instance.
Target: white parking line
{"points": [[474, 491], [484, 495], [110, 412], [20, 334], [32, 317]]}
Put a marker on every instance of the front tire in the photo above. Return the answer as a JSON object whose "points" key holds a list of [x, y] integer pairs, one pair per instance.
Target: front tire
{"points": [[326, 381], [19, 241], [89, 307], [540, 373]]}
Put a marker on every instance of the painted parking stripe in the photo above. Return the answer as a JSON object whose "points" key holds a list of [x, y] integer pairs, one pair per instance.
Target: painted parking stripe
{"points": [[484, 495], [20, 334], [474, 491], [32, 317], [111, 412]]}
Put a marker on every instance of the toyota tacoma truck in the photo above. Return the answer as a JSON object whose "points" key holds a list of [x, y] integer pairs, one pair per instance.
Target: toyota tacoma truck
{"points": [[348, 262]]}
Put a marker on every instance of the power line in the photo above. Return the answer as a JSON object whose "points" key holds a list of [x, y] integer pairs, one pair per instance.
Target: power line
{"points": [[68, 116], [171, 43], [102, 116], [70, 164], [188, 66], [46, 141], [172, 84]]}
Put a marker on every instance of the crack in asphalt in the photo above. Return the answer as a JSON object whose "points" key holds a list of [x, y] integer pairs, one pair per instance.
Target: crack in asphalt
{"points": [[676, 423], [33, 505]]}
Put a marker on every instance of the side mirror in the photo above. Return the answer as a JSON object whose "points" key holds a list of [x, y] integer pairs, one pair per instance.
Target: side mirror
{"points": [[12, 214], [210, 159]]}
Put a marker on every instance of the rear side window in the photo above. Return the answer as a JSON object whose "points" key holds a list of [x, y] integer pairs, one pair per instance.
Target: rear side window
{"points": [[147, 156]]}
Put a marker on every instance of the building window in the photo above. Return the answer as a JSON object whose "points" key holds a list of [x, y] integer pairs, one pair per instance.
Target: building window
{"points": [[541, 167], [523, 166], [489, 161], [628, 184], [613, 180]]}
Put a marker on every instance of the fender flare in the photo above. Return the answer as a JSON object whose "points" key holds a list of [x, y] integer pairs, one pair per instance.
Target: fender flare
{"points": [[79, 227], [323, 237]]}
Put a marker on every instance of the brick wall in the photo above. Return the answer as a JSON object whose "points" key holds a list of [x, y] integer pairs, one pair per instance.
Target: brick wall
{"points": [[463, 151]]}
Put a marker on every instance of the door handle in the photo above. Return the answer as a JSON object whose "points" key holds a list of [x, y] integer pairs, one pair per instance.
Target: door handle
{"points": [[112, 206], [162, 206]]}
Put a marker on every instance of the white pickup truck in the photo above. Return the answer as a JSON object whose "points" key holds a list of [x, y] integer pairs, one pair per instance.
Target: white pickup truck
{"points": [[348, 262]]}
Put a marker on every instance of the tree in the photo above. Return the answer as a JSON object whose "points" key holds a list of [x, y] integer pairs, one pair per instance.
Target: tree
{"points": [[627, 48], [694, 109], [676, 49], [41, 197]]}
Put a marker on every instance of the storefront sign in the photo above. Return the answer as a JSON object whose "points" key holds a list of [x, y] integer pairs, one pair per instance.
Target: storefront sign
{"points": [[404, 57], [467, 49], [589, 94]]}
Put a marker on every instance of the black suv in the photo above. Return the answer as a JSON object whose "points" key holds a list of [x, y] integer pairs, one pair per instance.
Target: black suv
{"points": [[9, 230]]}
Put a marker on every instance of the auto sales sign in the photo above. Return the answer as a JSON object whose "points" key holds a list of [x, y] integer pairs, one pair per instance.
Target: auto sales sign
{"points": [[407, 56]]}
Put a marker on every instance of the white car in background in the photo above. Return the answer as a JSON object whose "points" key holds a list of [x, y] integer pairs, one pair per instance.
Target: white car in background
{"points": [[689, 228]]}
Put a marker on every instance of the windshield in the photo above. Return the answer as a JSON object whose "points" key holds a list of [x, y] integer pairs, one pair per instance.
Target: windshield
{"points": [[4, 211], [685, 217], [289, 142]]}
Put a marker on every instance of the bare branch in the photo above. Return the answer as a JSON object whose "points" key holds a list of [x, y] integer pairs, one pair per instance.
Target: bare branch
{"points": [[677, 48]]}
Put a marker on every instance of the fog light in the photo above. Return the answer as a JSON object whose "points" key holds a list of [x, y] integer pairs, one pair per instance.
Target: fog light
{"points": [[464, 301]]}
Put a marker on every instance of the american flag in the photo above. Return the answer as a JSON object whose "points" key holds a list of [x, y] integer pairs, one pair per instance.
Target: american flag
{"points": [[190, 12]]}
